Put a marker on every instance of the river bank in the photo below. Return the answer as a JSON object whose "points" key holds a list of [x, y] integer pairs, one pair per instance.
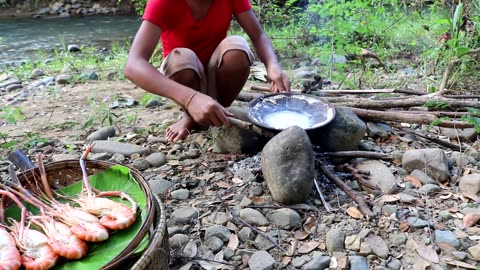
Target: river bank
{"points": [[67, 8]]}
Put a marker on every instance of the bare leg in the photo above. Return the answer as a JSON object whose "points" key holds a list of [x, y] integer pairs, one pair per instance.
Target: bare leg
{"points": [[182, 128], [232, 75]]}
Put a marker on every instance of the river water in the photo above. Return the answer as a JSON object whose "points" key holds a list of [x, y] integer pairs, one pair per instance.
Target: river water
{"points": [[21, 39]]}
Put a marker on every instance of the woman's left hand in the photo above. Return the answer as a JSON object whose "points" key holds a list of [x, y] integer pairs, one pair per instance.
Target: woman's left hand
{"points": [[278, 80]]}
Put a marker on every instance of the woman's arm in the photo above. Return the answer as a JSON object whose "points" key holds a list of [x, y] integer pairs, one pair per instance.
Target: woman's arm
{"points": [[263, 46]]}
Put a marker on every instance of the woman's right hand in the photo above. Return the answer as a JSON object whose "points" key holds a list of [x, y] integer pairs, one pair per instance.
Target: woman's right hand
{"points": [[207, 112]]}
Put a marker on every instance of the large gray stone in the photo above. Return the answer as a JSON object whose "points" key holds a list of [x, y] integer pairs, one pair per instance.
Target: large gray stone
{"points": [[101, 134], [380, 175], [433, 162], [118, 148], [344, 133], [237, 140], [288, 166], [470, 184], [261, 260]]}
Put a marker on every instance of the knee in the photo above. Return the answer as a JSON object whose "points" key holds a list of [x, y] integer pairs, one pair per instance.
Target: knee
{"points": [[236, 59]]}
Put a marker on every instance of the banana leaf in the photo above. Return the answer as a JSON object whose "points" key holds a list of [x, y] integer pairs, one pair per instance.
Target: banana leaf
{"points": [[99, 254]]}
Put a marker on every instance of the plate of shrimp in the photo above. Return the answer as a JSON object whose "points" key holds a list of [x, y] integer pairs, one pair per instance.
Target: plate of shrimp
{"points": [[85, 225]]}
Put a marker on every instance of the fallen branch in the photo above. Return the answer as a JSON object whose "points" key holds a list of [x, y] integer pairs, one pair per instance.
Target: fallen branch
{"points": [[252, 127], [365, 103], [345, 188], [325, 203], [399, 116], [440, 142]]}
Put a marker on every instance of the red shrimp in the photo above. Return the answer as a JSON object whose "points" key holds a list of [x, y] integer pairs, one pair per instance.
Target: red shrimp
{"points": [[9, 255], [113, 215]]}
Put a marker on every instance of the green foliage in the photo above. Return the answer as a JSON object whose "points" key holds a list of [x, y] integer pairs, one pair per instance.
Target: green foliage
{"points": [[12, 115], [473, 118], [102, 113], [437, 105], [75, 63], [146, 98], [139, 5]]}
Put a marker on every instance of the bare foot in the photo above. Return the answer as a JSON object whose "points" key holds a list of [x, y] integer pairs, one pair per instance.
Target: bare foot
{"points": [[181, 129]]}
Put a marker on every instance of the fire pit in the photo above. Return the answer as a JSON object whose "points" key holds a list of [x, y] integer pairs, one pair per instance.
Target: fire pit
{"points": [[282, 110]]}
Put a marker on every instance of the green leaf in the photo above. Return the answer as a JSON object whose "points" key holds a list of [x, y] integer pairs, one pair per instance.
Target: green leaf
{"points": [[116, 178], [461, 51]]}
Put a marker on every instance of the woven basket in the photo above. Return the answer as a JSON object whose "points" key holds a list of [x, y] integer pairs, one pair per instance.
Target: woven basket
{"points": [[156, 254]]}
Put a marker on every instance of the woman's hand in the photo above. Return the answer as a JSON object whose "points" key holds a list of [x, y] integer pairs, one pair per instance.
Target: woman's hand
{"points": [[278, 80], [207, 112]]}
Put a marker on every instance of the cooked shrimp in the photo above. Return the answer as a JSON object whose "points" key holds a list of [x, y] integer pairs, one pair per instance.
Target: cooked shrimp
{"points": [[9, 255], [113, 215], [82, 224], [60, 237], [37, 254]]}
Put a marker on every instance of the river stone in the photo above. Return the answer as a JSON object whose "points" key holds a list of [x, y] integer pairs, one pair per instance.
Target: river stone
{"points": [[434, 161], [285, 218], [102, 134], [261, 260], [73, 48], [467, 134], [422, 177], [288, 166], [461, 159], [380, 175], [180, 194], [159, 185], [89, 74], [214, 243], [219, 231], [358, 263], [335, 240], [37, 73], [447, 237], [62, 157], [13, 87], [475, 252], [246, 234], [9, 82], [318, 262], [140, 164], [470, 184], [184, 215], [253, 216], [378, 130], [118, 148], [178, 241], [344, 133], [157, 159], [378, 246], [417, 223], [63, 78], [237, 140], [262, 243]]}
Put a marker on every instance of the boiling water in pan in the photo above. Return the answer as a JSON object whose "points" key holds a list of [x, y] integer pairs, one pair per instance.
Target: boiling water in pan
{"points": [[285, 119]]}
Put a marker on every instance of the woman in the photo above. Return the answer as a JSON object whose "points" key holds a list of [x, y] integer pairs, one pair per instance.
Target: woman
{"points": [[203, 70]]}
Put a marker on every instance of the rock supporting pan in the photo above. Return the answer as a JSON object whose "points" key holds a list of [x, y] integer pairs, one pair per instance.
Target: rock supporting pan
{"points": [[282, 110]]}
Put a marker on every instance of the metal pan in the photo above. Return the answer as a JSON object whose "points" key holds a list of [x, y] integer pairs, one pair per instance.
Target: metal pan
{"points": [[282, 110]]}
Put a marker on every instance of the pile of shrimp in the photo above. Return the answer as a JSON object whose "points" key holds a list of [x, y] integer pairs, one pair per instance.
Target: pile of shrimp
{"points": [[59, 230]]}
